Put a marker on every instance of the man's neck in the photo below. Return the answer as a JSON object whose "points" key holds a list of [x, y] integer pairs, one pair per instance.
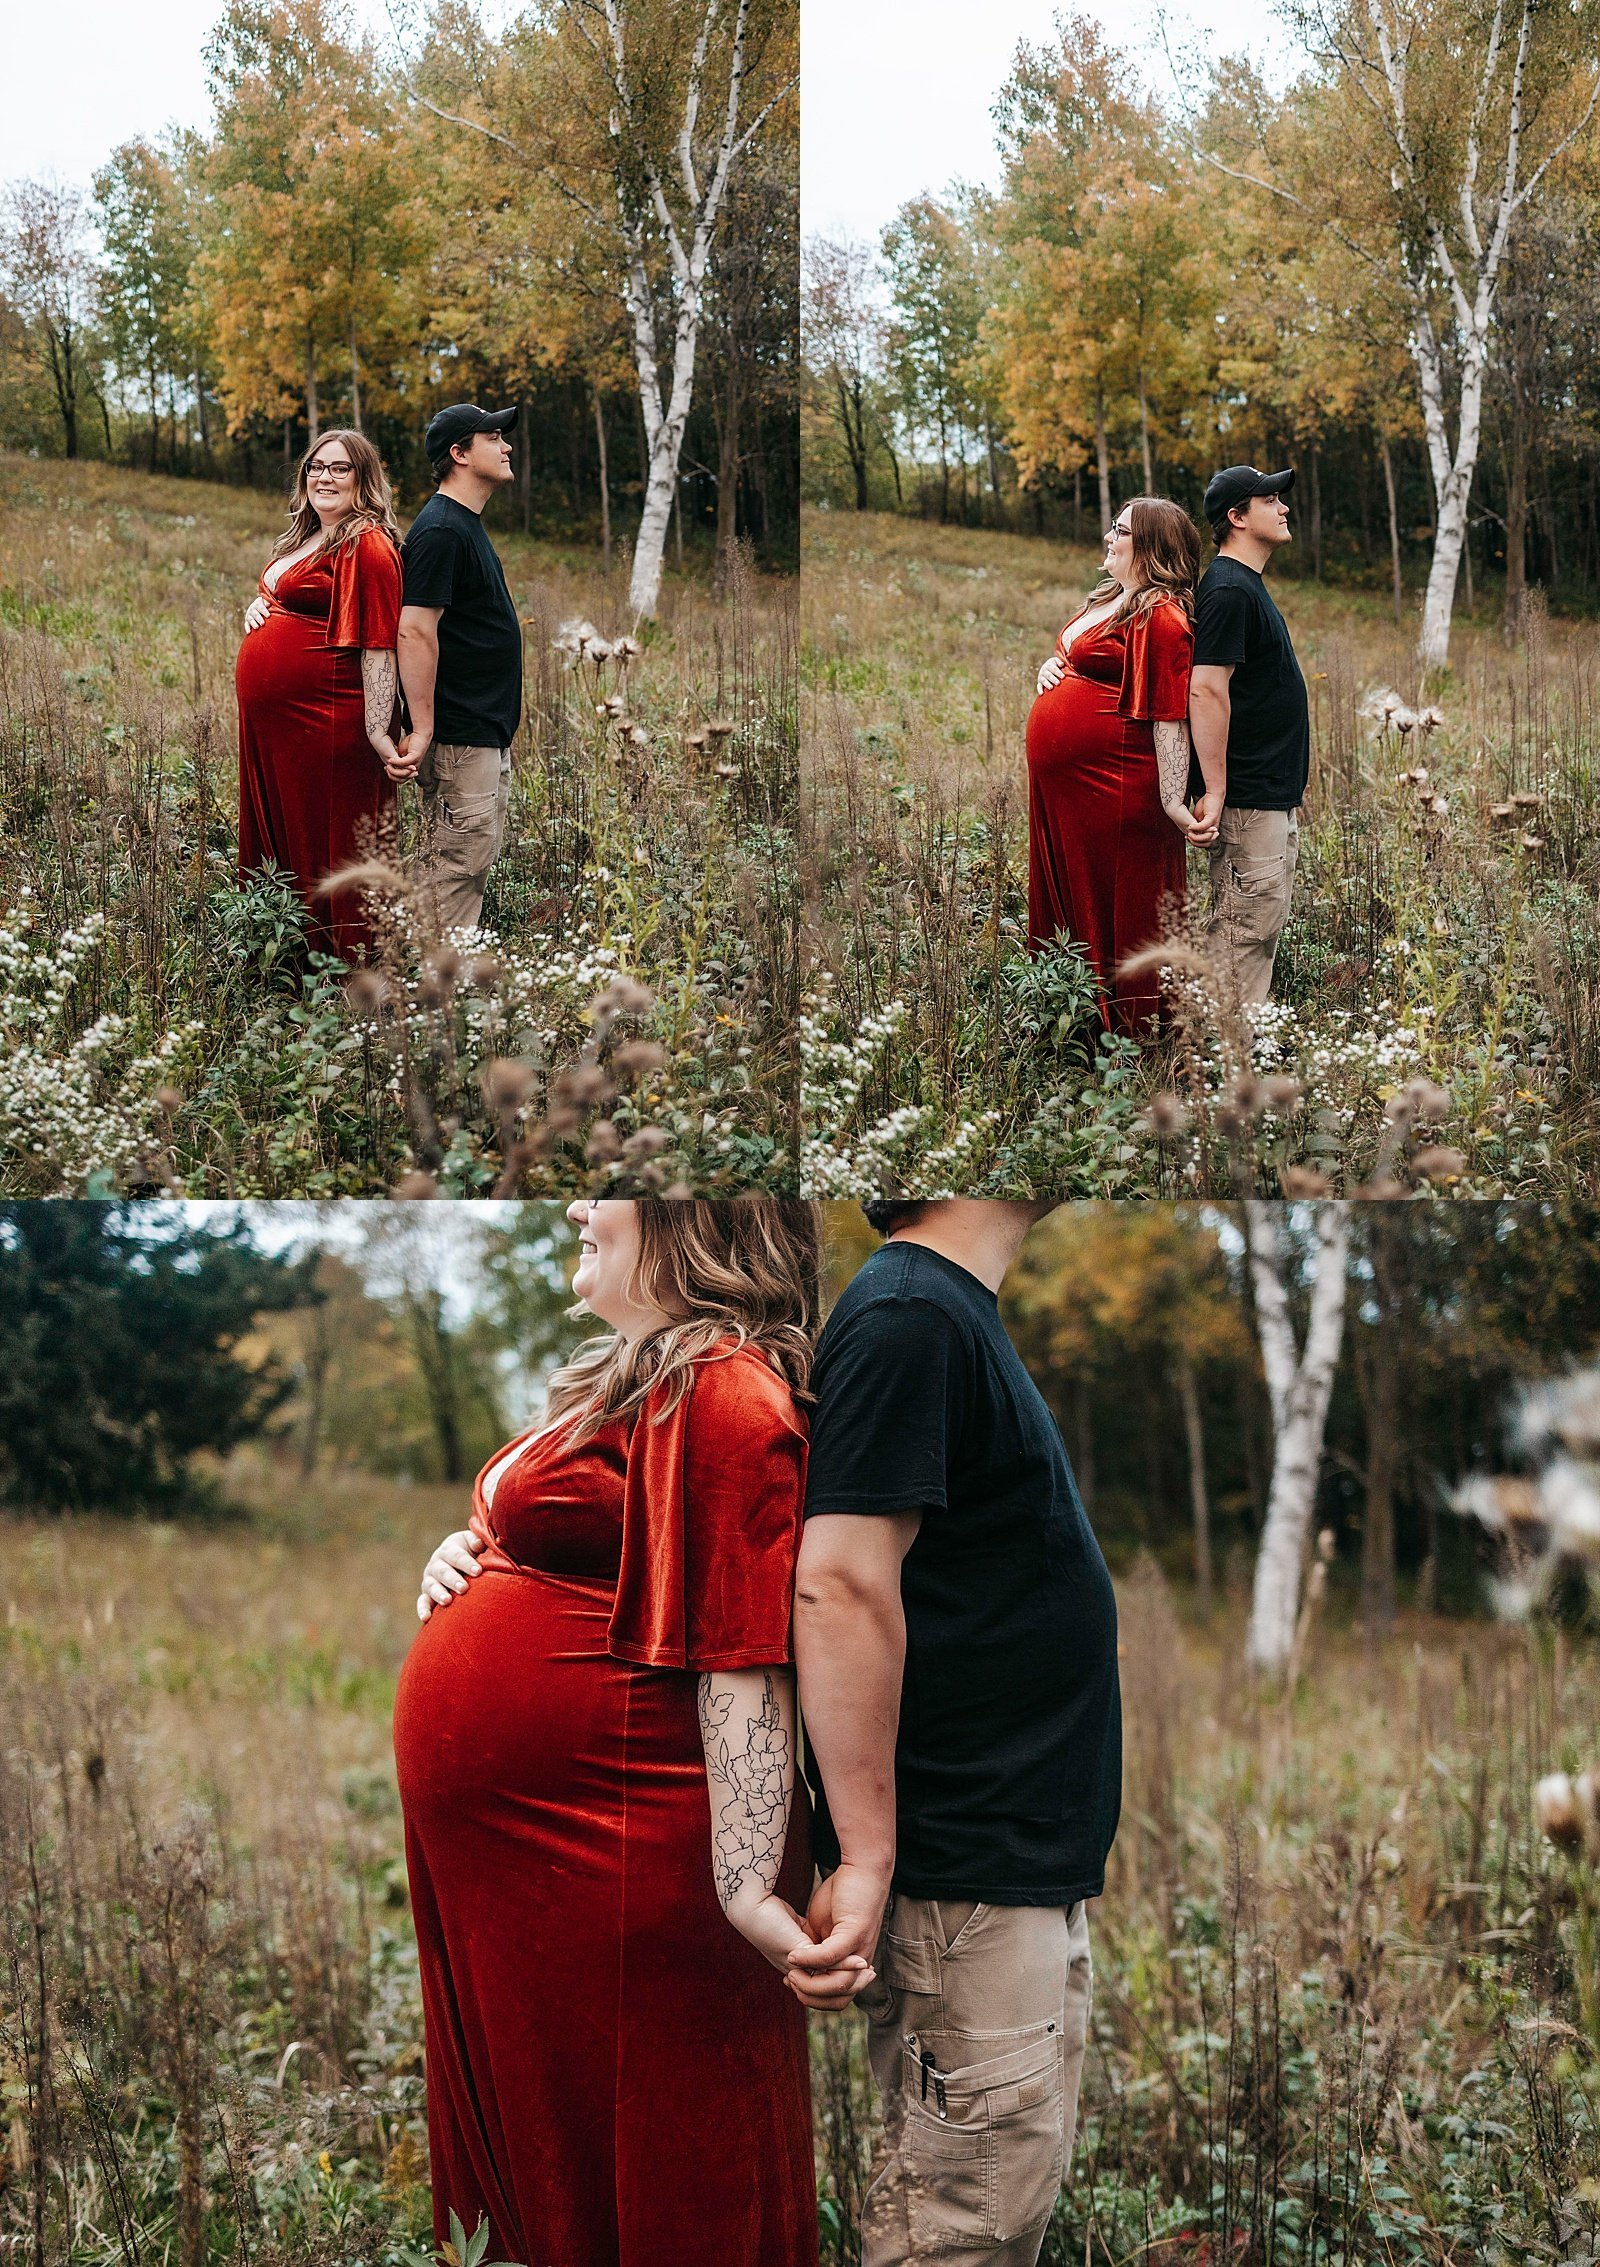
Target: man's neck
{"points": [[467, 490], [981, 1234], [1249, 551]]}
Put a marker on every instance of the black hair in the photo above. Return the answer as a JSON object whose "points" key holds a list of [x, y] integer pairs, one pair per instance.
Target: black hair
{"points": [[887, 1213]]}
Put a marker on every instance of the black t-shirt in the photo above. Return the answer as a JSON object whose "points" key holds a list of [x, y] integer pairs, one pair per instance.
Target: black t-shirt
{"points": [[1269, 736], [450, 562], [1008, 1768]]}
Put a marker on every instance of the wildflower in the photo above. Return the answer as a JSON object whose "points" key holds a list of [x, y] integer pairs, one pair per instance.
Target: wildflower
{"points": [[506, 1082], [626, 650], [367, 993], [1558, 1812], [727, 771], [639, 737], [695, 742], [612, 705], [1439, 1164], [720, 728], [639, 1056], [1429, 719], [1166, 1116], [581, 1085]]}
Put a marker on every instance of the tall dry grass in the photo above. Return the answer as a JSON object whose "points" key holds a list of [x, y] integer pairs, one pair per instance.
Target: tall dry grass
{"points": [[1445, 927], [664, 858], [1338, 2011]]}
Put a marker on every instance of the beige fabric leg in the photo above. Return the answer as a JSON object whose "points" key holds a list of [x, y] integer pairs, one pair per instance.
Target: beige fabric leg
{"points": [[977, 2030], [465, 793], [1252, 880]]}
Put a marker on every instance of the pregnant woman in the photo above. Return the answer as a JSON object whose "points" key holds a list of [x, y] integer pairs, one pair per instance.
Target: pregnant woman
{"points": [[596, 1750], [316, 685], [1108, 760]]}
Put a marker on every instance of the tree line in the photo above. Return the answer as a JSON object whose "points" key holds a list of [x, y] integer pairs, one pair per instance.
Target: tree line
{"points": [[592, 212], [1230, 1383], [1386, 273]]}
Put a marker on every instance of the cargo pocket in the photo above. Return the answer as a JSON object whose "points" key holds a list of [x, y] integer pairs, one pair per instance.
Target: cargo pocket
{"points": [[984, 2146], [1257, 890]]}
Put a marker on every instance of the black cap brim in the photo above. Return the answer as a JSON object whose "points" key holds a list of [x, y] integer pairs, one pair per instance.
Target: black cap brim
{"points": [[1275, 483]]}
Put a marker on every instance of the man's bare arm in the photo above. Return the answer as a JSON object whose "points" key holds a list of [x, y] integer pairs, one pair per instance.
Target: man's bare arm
{"points": [[1210, 712], [418, 649], [850, 1644]]}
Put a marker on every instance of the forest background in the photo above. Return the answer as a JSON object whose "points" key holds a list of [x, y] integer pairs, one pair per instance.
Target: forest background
{"points": [[367, 231], [1344, 2001]]}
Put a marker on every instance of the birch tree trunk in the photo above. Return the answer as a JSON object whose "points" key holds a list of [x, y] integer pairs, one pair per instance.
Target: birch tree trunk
{"points": [[1199, 1500], [1299, 1383], [1394, 523]]}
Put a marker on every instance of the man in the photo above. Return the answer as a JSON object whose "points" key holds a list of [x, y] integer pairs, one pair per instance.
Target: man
{"points": [[460, 660], [955, 1635], [1247, 705]]}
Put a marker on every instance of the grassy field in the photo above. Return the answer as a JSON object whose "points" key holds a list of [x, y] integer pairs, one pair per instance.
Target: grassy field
{"points": [[158, 1025], [1446, 926], [1345, 1998]]}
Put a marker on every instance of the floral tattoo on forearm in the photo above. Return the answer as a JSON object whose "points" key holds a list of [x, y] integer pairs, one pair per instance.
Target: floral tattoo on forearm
{"points": [[749, 1789], [1172, 762], [377, 682]]}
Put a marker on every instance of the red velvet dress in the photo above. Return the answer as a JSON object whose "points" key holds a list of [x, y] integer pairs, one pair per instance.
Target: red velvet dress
{"points": [[307, 772], [1105, 863], [615, 2077]]}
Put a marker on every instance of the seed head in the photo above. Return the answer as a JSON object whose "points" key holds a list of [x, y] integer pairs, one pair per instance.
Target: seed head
{"points": [[415, 1188], [507, 1082], [1558, 1811]]}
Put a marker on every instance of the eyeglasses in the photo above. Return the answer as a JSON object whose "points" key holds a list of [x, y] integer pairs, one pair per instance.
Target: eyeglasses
{"points": [[1117, 528], [327, 472]]}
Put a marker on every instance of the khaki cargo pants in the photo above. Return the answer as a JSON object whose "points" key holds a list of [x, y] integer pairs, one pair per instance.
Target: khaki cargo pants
{"points": [[465, 792], [1252, 880], [977, 2025]]}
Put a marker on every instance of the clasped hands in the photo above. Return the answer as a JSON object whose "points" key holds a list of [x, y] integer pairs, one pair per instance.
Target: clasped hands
{"points": [[402, 758], [830, 1960]]}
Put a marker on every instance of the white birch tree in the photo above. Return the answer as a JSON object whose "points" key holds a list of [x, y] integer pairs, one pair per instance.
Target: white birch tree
{"points": [[1299, 1385], [1445, 124], [671, 129]]}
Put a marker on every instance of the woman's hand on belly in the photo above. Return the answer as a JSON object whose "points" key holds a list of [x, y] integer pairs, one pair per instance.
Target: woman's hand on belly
{"points": [[450, 1569], [1051, 673], [256, 613]]}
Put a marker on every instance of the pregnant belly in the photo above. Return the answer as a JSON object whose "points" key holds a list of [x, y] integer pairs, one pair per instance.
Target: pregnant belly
{"points": [[287, 664], [511, 1716], [1076, 720]]}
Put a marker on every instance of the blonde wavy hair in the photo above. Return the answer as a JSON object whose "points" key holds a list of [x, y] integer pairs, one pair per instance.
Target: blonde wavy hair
{"points": [[373, 507], [1167, 555], [747, 1270]]}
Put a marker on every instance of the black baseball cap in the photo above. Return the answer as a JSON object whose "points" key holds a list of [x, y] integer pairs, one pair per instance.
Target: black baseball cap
{"points": [[461, 420], [1239, 483]]}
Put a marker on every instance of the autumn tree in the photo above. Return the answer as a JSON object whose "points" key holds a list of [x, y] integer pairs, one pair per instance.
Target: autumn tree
{"points": [[1424, 131], [49, 276], [312, 268], [641, 129], [843, 327], [150, 244]]}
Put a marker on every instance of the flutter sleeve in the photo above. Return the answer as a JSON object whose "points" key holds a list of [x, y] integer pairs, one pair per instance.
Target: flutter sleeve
{"points": [[1155, 671], [711, 1524], [366, 593]]}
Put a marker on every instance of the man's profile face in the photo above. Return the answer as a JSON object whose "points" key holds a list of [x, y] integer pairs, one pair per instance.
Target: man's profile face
{"points": [[486, 454], [1266, 518]]}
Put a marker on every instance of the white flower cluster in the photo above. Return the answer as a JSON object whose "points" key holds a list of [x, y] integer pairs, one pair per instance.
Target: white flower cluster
{"points": [[833, 1071], [74, 1110], [1549, 1519]]}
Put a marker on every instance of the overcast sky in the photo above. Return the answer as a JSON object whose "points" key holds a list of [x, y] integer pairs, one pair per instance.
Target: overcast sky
{"points": [[78, 85], [896, 94]]}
